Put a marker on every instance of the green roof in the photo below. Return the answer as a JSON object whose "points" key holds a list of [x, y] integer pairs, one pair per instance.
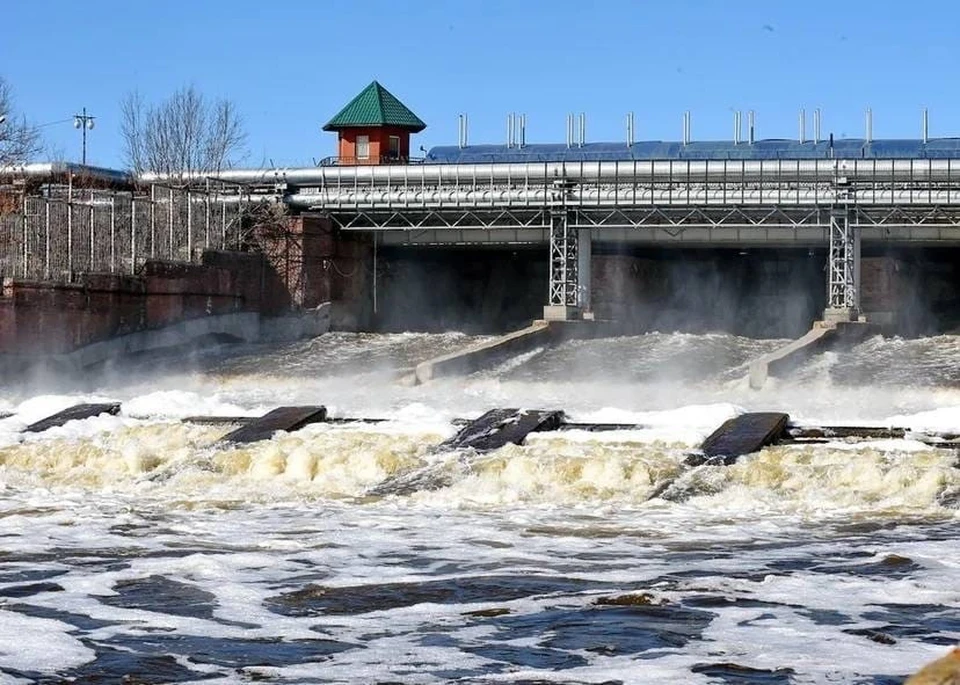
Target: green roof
{"points": [[375, 106]]}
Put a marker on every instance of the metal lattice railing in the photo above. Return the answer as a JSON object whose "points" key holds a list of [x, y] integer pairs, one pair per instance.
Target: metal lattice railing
{"points": [[63, 231]]}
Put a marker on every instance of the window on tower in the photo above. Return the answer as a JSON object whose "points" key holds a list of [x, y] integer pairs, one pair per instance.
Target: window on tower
{"points": [[363, 147]]}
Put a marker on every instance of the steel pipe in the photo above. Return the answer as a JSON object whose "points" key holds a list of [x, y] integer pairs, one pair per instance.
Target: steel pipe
{"points": [[604, 197], [56, 170], [574, 172]]}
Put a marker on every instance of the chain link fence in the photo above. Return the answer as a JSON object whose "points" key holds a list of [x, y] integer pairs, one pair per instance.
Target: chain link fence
{"points": [[64, 231]]}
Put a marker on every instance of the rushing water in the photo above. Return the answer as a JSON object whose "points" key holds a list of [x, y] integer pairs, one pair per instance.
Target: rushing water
{"points": [[138, 546]]}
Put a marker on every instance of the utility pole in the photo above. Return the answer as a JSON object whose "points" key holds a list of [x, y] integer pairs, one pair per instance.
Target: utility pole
{"points": [[84, 122]]}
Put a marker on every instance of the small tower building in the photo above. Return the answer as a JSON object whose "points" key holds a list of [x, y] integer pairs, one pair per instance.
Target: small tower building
{"points": [[374, 128]]}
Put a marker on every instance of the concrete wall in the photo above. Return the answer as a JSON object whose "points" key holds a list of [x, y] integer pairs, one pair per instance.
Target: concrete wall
{"points": [[757, 292], [466, 288]]}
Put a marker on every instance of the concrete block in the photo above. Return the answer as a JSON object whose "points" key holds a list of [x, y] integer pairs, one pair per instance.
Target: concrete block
{"points": [[560, 313], [834, 315]]}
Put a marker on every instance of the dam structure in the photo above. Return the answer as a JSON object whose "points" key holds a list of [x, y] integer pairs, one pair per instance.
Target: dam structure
{"points": [[829, 198], [619, 509], [848, 223]]}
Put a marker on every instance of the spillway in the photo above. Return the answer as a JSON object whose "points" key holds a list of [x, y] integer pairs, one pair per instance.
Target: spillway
{"points": [[136, 545]]}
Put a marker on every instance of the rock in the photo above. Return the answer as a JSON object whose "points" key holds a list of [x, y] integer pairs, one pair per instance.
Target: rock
{"points": [[943, 671]]}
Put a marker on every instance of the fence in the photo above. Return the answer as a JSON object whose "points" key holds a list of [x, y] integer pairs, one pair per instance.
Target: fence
{"points": [[64, 231]]}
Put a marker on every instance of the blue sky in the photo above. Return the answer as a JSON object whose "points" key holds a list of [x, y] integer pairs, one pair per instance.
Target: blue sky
{"points": [[290, 66]]}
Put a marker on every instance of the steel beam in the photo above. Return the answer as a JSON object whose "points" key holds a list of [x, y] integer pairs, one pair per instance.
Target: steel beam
{"points": [[843, 267], [564, 261]]}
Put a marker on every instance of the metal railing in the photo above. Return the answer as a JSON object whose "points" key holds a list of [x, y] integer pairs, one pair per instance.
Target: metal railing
{"points": [[64, 231], [382, 160]]}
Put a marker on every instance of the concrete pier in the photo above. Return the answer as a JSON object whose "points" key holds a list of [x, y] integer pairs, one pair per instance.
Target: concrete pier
{"points": [[483, 354], [823, 336]]}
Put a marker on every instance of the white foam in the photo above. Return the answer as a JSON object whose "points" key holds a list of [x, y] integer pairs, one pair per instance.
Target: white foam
{"points": [[39, 644]]}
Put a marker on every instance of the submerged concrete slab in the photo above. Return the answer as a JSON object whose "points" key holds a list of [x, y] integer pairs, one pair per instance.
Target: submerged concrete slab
{"points": [[483, 354], [744, 434], [280, 419], [823, 336], [74, 413], [498, 427]]}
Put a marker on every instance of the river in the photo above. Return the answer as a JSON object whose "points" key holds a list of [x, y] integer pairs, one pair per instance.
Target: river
{"points": [[138, 546]]}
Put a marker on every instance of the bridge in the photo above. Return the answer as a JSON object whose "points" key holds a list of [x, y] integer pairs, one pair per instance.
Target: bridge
{"points": [[568, 205], [837, 195]]}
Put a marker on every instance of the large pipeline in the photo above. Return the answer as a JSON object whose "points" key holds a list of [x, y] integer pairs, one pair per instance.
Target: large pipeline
{"points": [[558, 174], [563, 173], [414, 199], [450, 198], [61, 171]]}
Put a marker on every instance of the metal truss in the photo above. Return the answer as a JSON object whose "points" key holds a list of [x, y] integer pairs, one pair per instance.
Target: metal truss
{"points": [[712, 217], [843, 262], [564, 260], [447, 219], [939, 216]]}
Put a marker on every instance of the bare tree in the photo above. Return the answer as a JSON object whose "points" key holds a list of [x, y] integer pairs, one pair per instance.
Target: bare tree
{"points": [[18, 140], [184, 133]]}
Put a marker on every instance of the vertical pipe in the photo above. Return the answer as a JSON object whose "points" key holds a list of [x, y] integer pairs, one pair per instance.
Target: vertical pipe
{"points": [[206, 217], [523, 130], [91, 265], [736, 128], [869, 125], [569, 130], [510, 130], [816, 125], [25, 250], [70, 227], [466, 130], [189, 227], [170, 223], [46, 245], [583, 128], [153, 221], [803, 126], [376, 235], [460, 131], [113, 234], [133, 233], [223, 219], [926, 125], [751, 123]]}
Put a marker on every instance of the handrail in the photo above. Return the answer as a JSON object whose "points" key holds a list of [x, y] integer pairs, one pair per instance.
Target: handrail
{"points": [[336, 160]]}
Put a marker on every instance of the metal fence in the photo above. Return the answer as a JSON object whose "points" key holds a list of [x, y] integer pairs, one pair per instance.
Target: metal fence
{"points": [[63, 231]]}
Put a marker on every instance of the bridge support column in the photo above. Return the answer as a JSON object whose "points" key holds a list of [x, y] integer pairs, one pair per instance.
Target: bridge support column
{"points": [[843, 268], [584, 274], [563, 298]]}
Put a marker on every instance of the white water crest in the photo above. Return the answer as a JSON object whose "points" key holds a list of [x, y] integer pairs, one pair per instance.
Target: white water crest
{"points": [[139, 544]]}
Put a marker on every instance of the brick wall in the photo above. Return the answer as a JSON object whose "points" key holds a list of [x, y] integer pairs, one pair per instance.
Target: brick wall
{"points": [[51, 318]]}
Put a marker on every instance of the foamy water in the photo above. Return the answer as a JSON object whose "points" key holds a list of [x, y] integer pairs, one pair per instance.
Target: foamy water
{"points": [[137, 544]]}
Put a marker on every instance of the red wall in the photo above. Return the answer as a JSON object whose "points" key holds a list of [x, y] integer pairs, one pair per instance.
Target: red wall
{"points": [[303, 264], [379, 145]]}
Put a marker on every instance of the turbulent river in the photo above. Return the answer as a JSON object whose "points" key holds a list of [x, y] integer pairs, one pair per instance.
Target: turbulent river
{"points": [[136, 548]]}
